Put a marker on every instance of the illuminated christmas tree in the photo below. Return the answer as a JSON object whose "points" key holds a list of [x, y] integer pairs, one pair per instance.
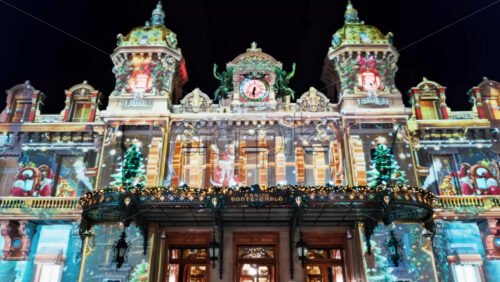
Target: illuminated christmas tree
{"points": [[131, 171], [377, 265], [384, 169], [141, 272], [447, 188]]}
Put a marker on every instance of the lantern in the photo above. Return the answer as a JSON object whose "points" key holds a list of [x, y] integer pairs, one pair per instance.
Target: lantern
{"points": [[393, 245], [121, 249], [301, 247], [213, 250]]}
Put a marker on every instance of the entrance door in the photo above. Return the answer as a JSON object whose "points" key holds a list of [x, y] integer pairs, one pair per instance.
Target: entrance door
{"points": [[186, 255], [188, 265], [256, 257], [324, 273], [252, 272], [325, 257]]}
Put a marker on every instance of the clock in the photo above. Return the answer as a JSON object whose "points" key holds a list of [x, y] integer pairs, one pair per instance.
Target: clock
{"points": [[254, 89]]}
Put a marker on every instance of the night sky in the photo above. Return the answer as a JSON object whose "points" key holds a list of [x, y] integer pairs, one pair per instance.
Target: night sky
{"points": [[214, 31]]}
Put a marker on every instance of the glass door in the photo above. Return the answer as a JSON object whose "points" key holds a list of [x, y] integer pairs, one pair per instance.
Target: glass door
{"points": [[325, 265], [188, 265], [256, 264]]}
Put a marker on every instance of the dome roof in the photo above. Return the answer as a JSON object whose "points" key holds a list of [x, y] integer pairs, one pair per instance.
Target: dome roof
{"points": [[153, 33], [356, 32], [254, 57]]}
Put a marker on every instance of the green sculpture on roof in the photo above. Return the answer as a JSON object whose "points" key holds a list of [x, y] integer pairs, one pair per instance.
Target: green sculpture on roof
{"points": [[226, 83], [281, 84]]}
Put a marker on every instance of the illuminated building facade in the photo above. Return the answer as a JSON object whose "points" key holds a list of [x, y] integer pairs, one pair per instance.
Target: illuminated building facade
{"points": [[258, 183]]}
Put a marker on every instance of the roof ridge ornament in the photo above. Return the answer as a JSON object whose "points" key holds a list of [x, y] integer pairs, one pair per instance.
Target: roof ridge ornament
{"points": [[158, 15], [253, 47], [351, 15]]}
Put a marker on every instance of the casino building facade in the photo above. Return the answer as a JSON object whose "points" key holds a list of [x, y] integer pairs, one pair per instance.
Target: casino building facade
{"points": [[254, 182]]}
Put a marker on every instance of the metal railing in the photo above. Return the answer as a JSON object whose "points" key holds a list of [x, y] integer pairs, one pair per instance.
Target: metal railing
{"points": [[467, 201], [68, 203]]}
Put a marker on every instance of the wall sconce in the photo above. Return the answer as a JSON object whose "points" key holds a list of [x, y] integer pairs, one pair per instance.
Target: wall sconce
{"points": [[121, 248], [301, 247]]}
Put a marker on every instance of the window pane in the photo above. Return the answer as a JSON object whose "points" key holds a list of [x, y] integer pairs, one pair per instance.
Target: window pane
{"points": [[188, 254], [82, 112], [256, 253], [21, 112], [324, 254]]}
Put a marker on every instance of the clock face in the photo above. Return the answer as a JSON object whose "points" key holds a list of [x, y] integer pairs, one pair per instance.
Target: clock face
{"points": [[254, 90]]}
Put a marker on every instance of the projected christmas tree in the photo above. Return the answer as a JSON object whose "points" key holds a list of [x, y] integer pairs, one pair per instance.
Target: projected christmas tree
{"points": [[384, 168], [141, 272], [131, 171]]}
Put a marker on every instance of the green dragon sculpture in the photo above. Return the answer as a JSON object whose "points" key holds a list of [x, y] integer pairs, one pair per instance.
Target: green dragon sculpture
{"points": [[281, 84], [226, 83]]}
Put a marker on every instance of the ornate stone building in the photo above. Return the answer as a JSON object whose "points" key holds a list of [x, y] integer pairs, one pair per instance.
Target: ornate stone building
{"points": [[255, 182]]}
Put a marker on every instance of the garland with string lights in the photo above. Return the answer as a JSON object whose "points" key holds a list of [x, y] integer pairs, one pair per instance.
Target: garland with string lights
{"points": [[359, 191]]}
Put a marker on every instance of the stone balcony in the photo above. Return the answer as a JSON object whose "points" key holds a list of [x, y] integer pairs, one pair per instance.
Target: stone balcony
{"points": [[454, 207], [40, 208]]}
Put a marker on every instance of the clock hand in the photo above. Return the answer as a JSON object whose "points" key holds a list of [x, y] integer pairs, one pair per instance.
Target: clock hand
{"points": [[253, 91]]}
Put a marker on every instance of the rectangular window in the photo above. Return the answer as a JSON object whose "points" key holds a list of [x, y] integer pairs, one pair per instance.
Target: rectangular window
{"points": [[81, 112], [466, 273], [193, 166], [21, 112], [316, 165], [49, 272], [256, 166], [443, 167]]}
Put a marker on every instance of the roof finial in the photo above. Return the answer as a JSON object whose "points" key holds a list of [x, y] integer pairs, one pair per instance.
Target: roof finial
{"points": [[351, 15], [158, 16], [253, 48]]}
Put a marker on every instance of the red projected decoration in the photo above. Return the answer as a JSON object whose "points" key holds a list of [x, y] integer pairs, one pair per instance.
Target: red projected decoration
{"points": [[141, 80], [369, 80]]}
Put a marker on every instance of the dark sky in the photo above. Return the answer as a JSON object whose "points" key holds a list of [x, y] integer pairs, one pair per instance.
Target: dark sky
{"points": [[215, 31]]}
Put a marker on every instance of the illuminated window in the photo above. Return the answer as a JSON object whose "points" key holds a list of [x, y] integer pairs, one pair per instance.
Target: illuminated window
{"points": [[466, 273], [21, 112], [193, 166], [50, 273], [316, 165], [81, 112], [188, 264], [325, 264], [256, 166]]}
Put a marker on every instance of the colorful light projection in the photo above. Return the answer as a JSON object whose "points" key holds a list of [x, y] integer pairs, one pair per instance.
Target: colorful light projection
{"points": [[140, 79], [369, 80]]}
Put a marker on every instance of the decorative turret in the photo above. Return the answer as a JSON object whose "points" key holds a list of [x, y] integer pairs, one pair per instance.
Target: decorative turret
{"points": [[361, 65], [149, 70]]}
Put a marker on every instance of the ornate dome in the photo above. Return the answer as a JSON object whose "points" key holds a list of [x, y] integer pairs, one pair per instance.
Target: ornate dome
{"points": [[356, 32], [153, 33]]}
